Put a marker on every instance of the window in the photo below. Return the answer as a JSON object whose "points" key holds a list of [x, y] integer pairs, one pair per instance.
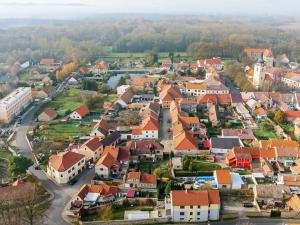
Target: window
{"points": [[191, 207], [182, 207], [198, 213], [181, 213], [61, 175], [199, 206], [191, 213], [181, 218]]}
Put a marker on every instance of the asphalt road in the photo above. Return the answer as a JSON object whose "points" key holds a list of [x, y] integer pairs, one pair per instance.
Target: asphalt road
{"points": [[62, 193]]}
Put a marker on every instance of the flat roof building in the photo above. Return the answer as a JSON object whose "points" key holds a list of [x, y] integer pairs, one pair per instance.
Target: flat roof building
{"points": [[14, 104]]}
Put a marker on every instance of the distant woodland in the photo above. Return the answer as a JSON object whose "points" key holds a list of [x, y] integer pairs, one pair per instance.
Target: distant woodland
{"points": [[86, 41]]}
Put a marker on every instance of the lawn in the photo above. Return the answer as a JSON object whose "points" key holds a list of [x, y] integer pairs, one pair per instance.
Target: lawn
{"points": [[118, 213], [149, 167], [201, 165], [4, 154], [68, 100], [64, 131], [264, 134]]}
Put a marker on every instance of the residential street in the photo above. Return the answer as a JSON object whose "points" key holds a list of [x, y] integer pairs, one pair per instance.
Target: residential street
{"points": [[165, 134]]}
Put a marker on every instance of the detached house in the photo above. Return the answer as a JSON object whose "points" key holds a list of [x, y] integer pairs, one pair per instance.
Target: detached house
{"points": [[145, 150], [65, 166], [140, 180], [47, 115], [91, 149], [185, 144], [101, 67], [147, 130], [111, 161], [220, 145], [80, 113], [102, 129], [92, 194], [168, 94], [195, 205]]}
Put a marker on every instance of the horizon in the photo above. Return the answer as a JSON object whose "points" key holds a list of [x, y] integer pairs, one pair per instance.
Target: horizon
{"points": [[78, 9]]}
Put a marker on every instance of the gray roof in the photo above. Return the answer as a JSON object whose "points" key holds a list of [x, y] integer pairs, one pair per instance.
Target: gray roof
{"points": [[225, 143]]}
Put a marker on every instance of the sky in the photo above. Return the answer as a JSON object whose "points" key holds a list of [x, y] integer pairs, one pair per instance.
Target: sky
{"points": [[60, 9]]}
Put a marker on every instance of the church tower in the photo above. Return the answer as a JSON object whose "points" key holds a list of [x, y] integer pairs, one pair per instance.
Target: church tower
{"points": [[259, 74]]}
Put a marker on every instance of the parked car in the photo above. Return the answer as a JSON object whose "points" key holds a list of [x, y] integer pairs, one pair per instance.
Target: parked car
{"points": [[73, 181], [247, 204]]}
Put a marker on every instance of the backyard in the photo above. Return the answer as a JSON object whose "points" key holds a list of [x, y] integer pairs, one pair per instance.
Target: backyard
{"points": [[63, 131], [149, 167], [264, 134], [67, 101], [197, 167], [4, 155], [70, 99]]}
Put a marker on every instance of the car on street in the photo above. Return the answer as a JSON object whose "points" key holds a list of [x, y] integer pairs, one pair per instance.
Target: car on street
{"points": [[248, 204]]}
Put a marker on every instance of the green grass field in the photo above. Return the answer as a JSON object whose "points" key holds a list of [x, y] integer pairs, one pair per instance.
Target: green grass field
{"points": [[264, 134], [4, 154], [200, 165], [64, 131], [68, 100]]}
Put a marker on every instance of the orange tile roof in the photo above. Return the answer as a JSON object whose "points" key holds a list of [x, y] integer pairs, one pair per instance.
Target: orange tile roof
{"points": [[185, 141], [187, 120], [260, 111], [148, 178], [149, 124], [114, 151], [223, 176], [195, 197], [102, 189], [134, 175], [141, 81], [65, 160], [254, 50], [278, 143], [107, 160], [267, 153], [195, 86]]}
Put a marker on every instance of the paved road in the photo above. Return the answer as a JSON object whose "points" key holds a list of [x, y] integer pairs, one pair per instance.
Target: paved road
{"points": [[62, 194], [164, 128], [230, 85]]}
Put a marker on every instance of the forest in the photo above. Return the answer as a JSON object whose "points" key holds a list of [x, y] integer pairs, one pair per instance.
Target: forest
{"points": [[87, 40]]}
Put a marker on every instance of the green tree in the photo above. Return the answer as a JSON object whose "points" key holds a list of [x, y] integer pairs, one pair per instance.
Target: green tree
{"points": [[151, 58], [89, 85], [169, 187], [18, 165], [104, 88], [158, 172], [279, 117]]}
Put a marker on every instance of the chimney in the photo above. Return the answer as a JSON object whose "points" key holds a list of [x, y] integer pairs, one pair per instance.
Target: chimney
{"points": [[186, 191]]}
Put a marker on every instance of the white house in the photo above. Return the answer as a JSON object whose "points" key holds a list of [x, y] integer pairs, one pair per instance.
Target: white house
{"points": [[80, 113], [194, 205], [64, 166], [225, 179], [122, 89], [147, 130]]}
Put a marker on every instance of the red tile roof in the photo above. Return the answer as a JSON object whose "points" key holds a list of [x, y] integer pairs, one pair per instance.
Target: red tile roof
{"points": [[93, 144], [50, 112], [83, 111], [102, 189], [292, 114], [65, 160]]}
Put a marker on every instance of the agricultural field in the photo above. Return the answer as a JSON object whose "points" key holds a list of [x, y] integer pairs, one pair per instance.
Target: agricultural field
{"points": [[63, 131]]}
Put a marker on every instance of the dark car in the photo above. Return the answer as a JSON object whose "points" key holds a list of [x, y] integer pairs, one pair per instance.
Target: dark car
{"points": [[248, 204], [73, 181]]}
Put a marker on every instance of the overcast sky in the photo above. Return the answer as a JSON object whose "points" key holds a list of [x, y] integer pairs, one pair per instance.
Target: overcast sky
{"points": [[59, 9]]}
